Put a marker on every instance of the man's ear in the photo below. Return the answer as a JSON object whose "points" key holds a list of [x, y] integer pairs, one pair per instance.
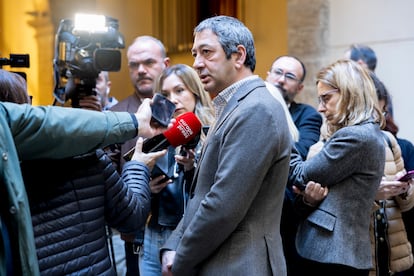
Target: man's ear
{"points": [[167, 61], [240, 56], [108, 87]]}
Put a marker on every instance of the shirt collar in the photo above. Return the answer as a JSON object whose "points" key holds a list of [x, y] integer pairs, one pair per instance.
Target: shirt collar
{"points": [[221, 100]]}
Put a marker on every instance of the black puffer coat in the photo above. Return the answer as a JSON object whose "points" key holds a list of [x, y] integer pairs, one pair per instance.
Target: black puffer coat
{"points": [[72, 199]]}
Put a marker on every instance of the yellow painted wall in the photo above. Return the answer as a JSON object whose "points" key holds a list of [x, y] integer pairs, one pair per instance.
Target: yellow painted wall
{"points": [[267, 21], [16, 37]]}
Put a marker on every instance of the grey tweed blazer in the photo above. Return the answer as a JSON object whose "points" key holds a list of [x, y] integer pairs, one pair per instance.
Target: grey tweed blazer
{"points": [[351, 164], [231, 224]]}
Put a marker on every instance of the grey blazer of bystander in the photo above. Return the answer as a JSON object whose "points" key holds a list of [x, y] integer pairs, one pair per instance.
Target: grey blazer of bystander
{"points": [[351, 164]]}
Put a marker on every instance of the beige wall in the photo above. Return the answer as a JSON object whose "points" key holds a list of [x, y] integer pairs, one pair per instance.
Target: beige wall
{"points": [[308, 22], [386, 26]]}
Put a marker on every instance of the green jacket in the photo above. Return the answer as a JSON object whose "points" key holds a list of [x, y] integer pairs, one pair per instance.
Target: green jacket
{"points": [[28, 132]]}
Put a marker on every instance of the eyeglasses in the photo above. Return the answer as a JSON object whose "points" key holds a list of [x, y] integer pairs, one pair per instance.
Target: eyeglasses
{"points": [[323, 100], [289, 77]]}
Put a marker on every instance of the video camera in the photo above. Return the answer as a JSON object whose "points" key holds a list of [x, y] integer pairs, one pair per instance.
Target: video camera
{"points": [[16, 60], [84, 48]]}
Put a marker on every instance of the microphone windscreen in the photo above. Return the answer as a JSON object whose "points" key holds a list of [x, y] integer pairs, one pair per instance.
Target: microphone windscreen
{"points": [[186, 127]]}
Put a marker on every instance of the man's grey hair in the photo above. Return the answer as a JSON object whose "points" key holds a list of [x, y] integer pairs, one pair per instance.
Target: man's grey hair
{"points": [[231, 32]]}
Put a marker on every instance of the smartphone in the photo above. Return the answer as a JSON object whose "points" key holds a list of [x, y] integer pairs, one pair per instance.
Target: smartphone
{"points": [[409, 175], [161, 168], [301, 187], [162, 109], [157, 171]]}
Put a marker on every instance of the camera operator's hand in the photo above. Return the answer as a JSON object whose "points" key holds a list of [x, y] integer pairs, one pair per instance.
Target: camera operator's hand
{"points": [[145, 127], [91, 102]]}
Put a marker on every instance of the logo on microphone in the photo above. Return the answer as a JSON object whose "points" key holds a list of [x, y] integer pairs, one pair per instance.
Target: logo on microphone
{"points": [[185, 129]]}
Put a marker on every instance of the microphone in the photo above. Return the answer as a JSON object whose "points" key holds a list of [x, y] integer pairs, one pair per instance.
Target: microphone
{"points": [[186, 128]]}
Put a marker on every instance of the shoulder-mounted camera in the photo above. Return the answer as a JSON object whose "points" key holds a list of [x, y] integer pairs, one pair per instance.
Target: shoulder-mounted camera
{"points": [[83, 48]]}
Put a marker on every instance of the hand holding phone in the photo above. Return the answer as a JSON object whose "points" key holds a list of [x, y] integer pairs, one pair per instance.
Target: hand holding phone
{"points": [[390, 188], [407, 177], [158, 183], [162, 109], [301, 187]]}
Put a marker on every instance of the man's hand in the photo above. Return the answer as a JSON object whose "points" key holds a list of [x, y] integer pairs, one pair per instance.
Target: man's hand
{"points": [[143, 115], [91, 102], [167, 262], [148, 158]]}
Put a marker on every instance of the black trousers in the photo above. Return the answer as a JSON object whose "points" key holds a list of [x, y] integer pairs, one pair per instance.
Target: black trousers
{"points": [[324, 269], [131, 260]]}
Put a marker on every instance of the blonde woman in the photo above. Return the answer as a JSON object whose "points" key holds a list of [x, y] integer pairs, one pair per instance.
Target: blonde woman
{"points": [[181, 85], [334, 236], [275, 93], [391, 250]]}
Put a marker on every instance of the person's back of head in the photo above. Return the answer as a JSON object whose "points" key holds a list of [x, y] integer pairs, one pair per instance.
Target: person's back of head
{"points": [[364, 55], [13, 88]]}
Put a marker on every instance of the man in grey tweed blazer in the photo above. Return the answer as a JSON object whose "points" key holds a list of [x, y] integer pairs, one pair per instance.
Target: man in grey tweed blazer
{"points": [[231, 223]]}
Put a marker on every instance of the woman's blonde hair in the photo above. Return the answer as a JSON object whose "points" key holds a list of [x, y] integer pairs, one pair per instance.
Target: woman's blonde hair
{"points": [[204, 108], [358, 101], [294, 132]]}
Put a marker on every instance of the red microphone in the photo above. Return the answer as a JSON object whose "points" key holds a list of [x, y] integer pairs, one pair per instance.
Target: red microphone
{"points": [[186, 128]]}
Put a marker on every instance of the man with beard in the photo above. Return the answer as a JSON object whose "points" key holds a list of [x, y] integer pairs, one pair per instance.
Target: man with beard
{"points": [[288, 73], [147, 58]]}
